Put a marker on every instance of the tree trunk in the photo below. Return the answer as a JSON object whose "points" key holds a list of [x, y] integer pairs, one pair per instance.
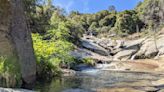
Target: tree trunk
{"points": [[15, 38]]}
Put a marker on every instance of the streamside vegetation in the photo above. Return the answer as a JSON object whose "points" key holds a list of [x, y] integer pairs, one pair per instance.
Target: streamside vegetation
{"points": [[56, 33]]}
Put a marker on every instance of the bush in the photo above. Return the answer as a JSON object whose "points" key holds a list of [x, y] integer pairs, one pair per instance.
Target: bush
{"points": [[10, 75], [51, 54], [89, 61]]}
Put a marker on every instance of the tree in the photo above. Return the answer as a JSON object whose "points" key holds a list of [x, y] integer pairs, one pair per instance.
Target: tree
{"points": [[126, 21], [108, 20], [112, 8]]}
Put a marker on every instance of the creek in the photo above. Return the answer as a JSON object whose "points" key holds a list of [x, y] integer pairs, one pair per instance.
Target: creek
{"points": [[90, 79]]}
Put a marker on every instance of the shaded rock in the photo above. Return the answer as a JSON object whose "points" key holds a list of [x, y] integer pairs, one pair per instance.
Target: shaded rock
{"points": [[137, 84], [16, 42], [133, 44], [162, 90], [80, 53], [81, 67], [21, 36], [115, 51], [93, 47]]}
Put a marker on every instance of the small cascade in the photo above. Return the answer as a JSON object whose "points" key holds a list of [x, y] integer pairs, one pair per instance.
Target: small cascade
{"points": [[102, 65]]}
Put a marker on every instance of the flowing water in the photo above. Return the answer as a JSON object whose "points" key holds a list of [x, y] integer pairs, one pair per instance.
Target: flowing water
{"points": [[89, 80]]}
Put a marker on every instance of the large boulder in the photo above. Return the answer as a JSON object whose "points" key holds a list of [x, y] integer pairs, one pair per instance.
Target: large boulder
{"points": [[94, 47], [16, 44], [160, 45], [148, 49], [151, 47], [133, 44], [81, 53], [107, 43], [124, 54]]}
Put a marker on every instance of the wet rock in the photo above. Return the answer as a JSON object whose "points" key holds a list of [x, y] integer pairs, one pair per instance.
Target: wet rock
{"points": [[137, 84], [68, 72], [81, 67], [14, 90]]}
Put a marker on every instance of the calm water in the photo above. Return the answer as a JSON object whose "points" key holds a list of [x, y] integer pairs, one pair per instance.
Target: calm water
{"points": [[92, 79]]}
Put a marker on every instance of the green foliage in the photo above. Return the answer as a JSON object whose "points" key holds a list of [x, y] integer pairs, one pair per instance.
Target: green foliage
{"points": [[127, 22], [10, 72], [57, 32], [150, 11], [108, 20], [61, 32], [50, 54], [88, 61], [53, 48]]}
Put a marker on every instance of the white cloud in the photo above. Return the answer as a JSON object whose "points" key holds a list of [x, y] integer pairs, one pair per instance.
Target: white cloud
{"points": [[67, 5]]}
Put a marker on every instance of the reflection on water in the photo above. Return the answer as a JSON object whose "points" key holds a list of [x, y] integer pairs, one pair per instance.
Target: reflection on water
{"points": [[92, 79]]}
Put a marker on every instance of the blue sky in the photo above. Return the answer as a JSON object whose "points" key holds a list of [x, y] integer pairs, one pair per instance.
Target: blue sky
{"points": [[92, 6]]}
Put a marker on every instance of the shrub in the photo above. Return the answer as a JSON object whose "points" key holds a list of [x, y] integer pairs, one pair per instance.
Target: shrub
{"points": [[9, 72], [88, 61], [51, 54]]}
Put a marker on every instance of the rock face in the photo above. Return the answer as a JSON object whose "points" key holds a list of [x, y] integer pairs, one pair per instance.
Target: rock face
{"points": [[124, 54], [144, 48], [81, 53], [15, 38], [93, 47], [151, 47], [148, 49]]}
